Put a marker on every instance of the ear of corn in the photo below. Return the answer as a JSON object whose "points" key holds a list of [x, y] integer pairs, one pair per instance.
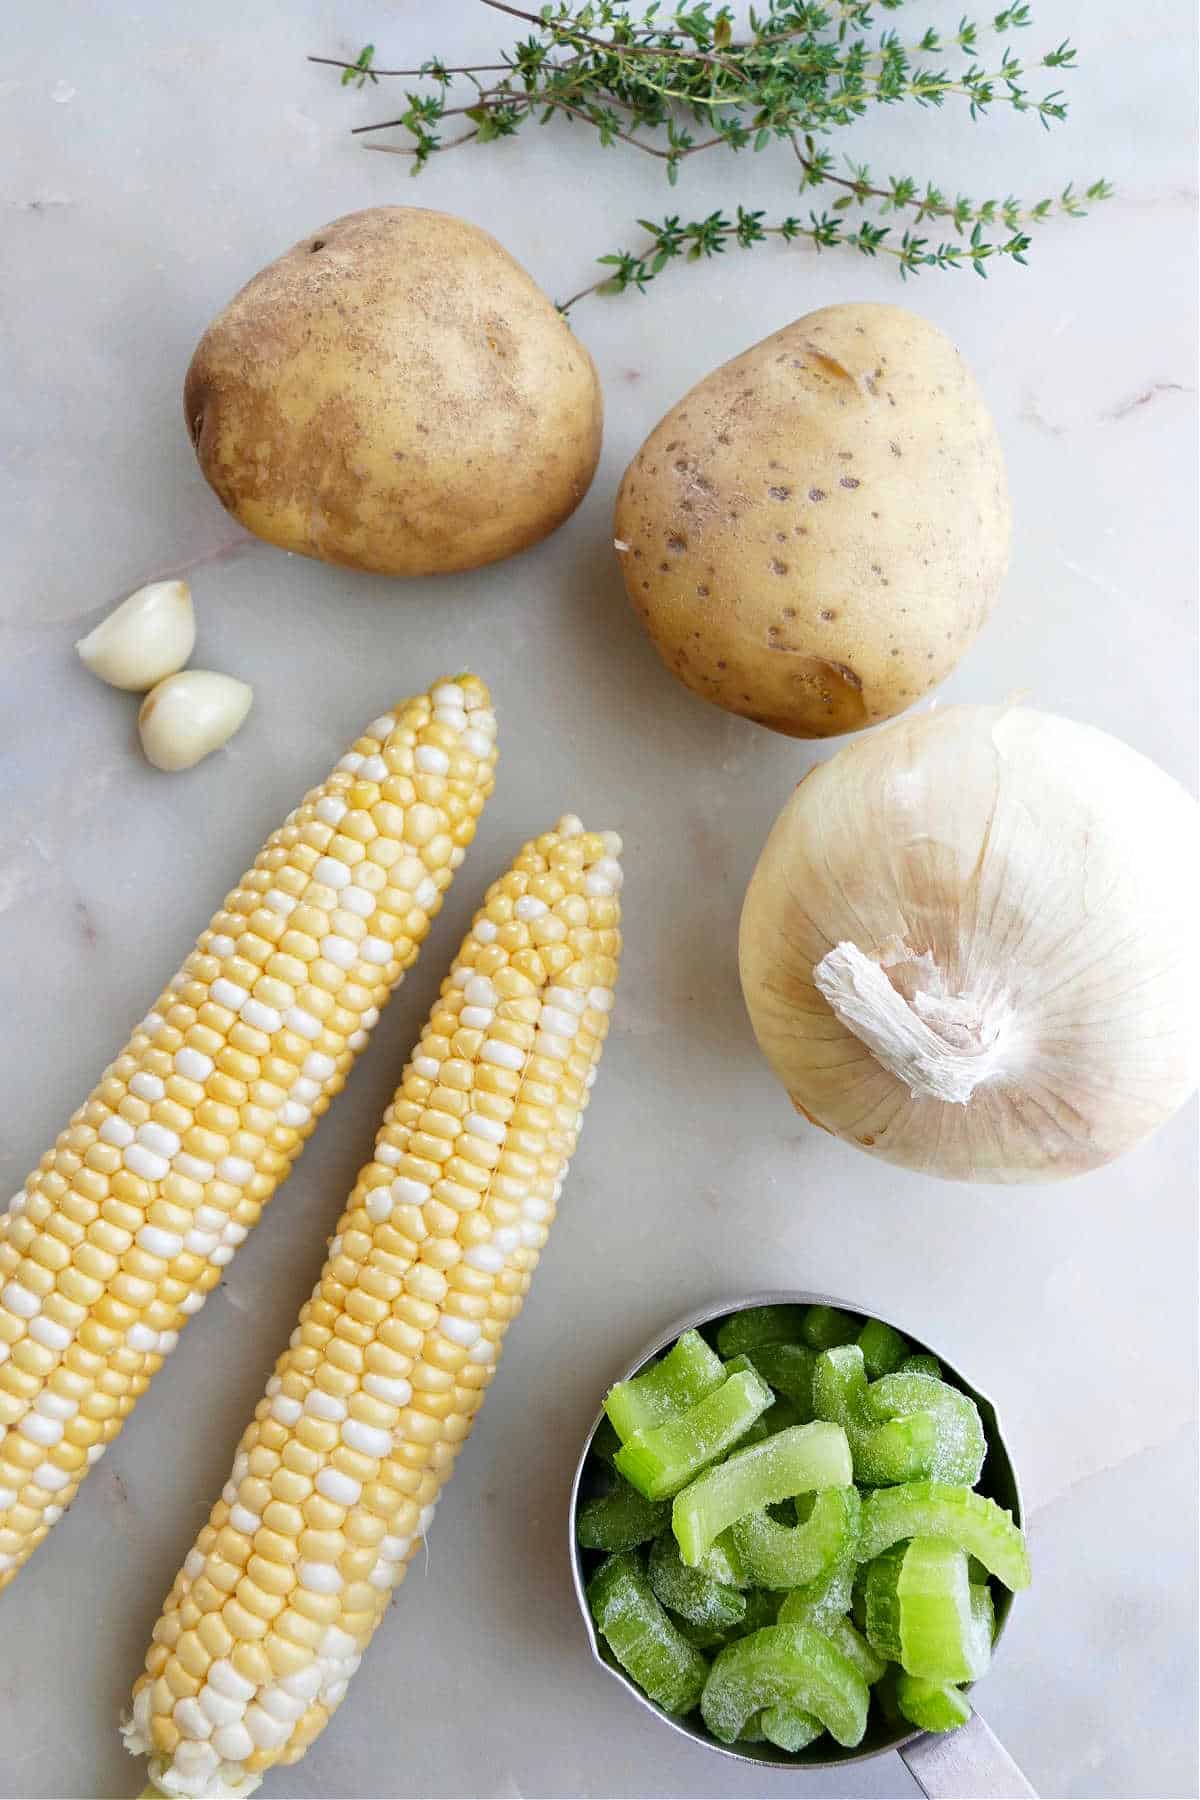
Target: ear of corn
{"points": [[125, 1225], [336, 1478]]}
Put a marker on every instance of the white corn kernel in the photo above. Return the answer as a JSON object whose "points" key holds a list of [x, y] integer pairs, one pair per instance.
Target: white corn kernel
{"points": [[224, 1678], [343, 1490], [331, 873], [369, 1439], [18, 1299], [392, 1389], [319, 1578]]}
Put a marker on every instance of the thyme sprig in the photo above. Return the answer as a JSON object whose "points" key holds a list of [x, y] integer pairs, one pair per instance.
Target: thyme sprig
{"points": [[677, 83]]}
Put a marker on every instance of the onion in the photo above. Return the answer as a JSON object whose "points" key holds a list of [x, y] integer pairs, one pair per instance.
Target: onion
{"points": [[970, 945]]}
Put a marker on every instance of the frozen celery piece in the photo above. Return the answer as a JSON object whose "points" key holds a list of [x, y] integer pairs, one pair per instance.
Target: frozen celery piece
{"points": [[931, 1705], [902, 1427], [721, 1562], [783, 1414], [762, 1426], [825, 1327], [824, 1600], [877, 1601], [620, 1519], [688, 1372], [797, 1461], [883, 1348], [752, 1731], [694, 1596], [759, 1325], [785, 1665], [884, 1693], [923, 1613], [855, 1648], [788, 1368], [666, 1457], [761, 1609], [961, 1444], [788, 1728], [605, 1442], [898, 1450], [641, 1636], [921, 1364], [789, 1556], [936, 1509]]}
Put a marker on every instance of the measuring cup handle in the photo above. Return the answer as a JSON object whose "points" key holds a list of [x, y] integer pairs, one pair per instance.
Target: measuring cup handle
{"points": [[968, 1764]]}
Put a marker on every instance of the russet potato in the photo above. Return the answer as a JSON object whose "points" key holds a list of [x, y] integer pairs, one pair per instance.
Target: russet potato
{"points": [[817, 531], [395, 393]]}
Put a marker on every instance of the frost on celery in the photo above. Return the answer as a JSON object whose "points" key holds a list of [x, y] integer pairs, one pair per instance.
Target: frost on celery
{"points": [[790, 1665]]}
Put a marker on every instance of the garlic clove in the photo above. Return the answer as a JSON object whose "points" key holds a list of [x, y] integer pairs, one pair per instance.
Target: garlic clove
{"points": [[190, 714], [144, 639]]}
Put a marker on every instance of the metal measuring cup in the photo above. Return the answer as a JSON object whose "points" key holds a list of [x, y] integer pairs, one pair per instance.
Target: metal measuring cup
{"points": [[969, 1763]]}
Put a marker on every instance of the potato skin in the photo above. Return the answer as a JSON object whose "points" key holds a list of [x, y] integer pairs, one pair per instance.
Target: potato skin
{"points": [[396, 394], [817, 531]]}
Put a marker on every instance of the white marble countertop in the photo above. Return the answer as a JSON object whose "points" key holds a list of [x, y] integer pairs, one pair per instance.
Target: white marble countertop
{"points": [[153, 158]]}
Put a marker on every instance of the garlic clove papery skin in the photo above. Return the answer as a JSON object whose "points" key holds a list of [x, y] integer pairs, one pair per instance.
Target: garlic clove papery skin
{"points": [[189, 715], [970, 948], [144, 639]]}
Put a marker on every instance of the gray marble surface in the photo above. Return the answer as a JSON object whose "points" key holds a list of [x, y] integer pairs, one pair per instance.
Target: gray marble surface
{"points": [[153, 157]]}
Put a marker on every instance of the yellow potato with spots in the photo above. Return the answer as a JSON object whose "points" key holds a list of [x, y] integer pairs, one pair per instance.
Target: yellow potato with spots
{"points": [[817, 531], [396, 394]]}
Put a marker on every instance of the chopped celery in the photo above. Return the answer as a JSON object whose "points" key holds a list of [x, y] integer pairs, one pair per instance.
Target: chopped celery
{"points": [[694, 1596], [877, 1601], [641, 1636], [788, 1368], [688, 1372], [855, 1648], [883, 1348], [824, 1600], [783, 1413], [620, 1519], [935, 1509], [666, 1457], [923, 1613], [721, 1562], [899, 1450], [931, 1705], [789, 1556], [788, 1728], [761, 1609], [817, 1544], [789, 1665], [759, 1325], [825, 1327], [961, 1444], [605, 1442], [884, 1693], [796, 1461], [902, 1427]]}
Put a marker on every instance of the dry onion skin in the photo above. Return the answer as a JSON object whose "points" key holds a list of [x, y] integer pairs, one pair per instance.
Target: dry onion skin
{"points": [[970, 946]]}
